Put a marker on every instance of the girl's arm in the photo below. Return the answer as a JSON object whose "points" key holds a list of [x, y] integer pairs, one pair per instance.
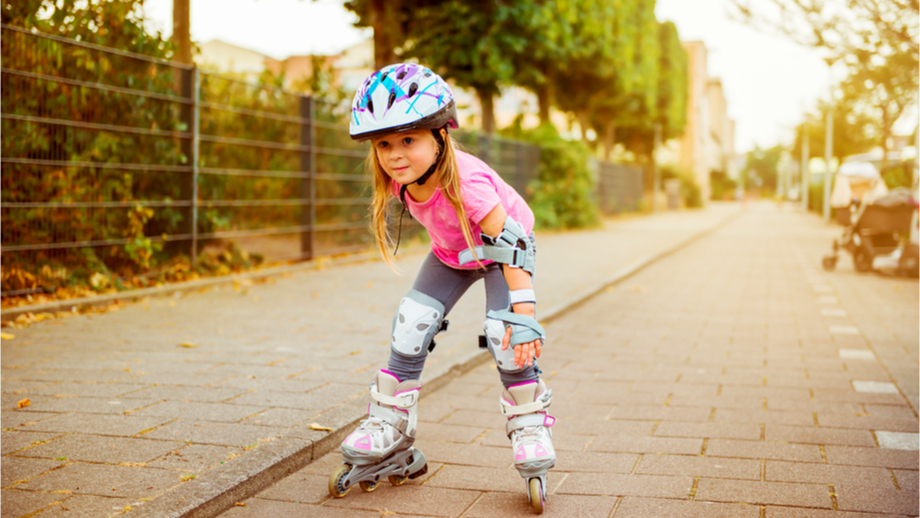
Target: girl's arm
{"points": [[517, 279]]}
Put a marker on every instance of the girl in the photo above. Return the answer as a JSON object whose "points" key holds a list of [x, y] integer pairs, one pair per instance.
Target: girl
{"points": [[480, 228]]}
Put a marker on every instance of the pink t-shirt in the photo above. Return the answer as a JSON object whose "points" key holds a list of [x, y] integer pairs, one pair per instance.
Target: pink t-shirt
{"points": [[481, 190]]}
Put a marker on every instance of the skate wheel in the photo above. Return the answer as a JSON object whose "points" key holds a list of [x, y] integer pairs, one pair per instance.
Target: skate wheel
{"points": [[367, 486], [536, 495], [396, 480], [336, 488]]}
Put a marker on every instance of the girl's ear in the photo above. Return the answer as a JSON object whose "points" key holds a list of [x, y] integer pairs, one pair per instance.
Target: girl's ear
{"points": [[443, 133]]}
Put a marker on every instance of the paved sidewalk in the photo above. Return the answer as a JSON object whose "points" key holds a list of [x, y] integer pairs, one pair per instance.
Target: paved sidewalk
{"points": [[733, 378], [171, 404]]}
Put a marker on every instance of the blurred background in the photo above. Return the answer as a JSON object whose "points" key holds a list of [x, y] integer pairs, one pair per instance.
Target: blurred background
{"points": [[155, 141]]}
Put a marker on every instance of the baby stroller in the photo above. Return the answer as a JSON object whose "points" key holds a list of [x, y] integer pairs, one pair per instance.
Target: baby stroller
{"points": [[876, 222]]}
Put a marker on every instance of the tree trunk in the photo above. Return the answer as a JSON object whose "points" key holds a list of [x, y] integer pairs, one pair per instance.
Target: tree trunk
{"points": [[886, 133], [487, 102], [610, 134], [583, 124], [384, 22], [181, 35], [544, 96]]}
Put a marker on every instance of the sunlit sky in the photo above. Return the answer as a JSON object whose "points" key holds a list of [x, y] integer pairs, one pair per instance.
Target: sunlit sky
{"points": [[768, 80]]}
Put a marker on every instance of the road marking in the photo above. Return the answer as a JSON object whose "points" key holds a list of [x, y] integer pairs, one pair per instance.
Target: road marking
{"points": [[843, 330], [856, 354], [875, 387], [898, 440]]}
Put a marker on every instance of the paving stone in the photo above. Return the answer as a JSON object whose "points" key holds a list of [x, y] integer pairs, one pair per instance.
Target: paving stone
{"points": [[420, 500], [879, 457], [110, 450], [105, 480], [813, 435], [763, 450], [632, 507], [16, 418], [104, 390], [699, 466], [791, 512], [18, 468], [851, 497], [186, 393], [708, 430], [203, 411], [826, 474], [626, 485], [473, 478], [489, 419], [281, 417], [742, 491], [907, 479], [898, 440], [208, 432], [97, 424], [660, 413], [502, 505], [82, 506], [258, 508], [18, 504], [16, 441], [303, 488], [731, 415], [267, 398], [466, 455], [632, 444], [875, 387], [575, 461], [857, 354], [196, 458], [90, 405]]}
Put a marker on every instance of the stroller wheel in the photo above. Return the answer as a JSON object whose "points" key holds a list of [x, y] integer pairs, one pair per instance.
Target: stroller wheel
{"points": [[862, 259], [829, 262]]}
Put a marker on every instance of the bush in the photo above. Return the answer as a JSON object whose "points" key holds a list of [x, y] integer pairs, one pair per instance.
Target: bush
{"points": [[689, 190], [562, 196], [899, 175], [722, 186]]}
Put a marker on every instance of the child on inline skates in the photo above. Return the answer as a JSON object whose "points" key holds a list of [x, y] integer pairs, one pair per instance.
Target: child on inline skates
{"points": [[480, 228]]}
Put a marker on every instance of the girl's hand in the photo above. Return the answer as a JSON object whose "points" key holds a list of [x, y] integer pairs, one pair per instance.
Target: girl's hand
{"points": [[525, 353]]}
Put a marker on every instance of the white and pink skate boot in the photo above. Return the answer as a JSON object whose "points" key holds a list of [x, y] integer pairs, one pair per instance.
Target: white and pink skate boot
{"points": [[382, 444], [528, 428]]}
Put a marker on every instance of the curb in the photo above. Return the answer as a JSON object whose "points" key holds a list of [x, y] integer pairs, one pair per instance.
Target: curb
{"points": [[218, 490]]}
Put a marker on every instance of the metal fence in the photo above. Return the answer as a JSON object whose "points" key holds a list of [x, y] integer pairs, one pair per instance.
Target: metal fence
{"points": [[619, 187], [110, 157]]}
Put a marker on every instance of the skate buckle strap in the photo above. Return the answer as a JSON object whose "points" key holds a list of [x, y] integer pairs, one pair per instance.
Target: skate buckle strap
{"points": [[523, 421], [539, 405], [404, 401], [523, 328]]}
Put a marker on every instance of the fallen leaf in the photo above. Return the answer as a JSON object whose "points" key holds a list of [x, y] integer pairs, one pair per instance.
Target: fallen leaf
{"points": [[7, 336], [240, 504], [188, 345], [172, 303], [314, 426], [23, 403]]}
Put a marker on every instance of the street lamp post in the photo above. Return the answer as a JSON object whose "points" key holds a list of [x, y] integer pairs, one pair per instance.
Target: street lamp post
{"points": [[656, 188], [829, 139]]}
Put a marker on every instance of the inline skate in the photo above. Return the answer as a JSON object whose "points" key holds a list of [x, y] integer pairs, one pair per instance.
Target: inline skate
{"points": [[528, 428], [381, 447]]}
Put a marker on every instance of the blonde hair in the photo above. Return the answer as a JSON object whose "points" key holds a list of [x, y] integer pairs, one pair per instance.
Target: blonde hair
{"points": [[448, 174]]}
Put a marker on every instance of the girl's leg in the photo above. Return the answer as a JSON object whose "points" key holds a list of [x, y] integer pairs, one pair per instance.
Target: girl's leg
{"points": [[436, 285]]}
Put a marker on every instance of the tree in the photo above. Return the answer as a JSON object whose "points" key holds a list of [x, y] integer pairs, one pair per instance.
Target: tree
{"points": [[851, 132], [762, 167], [473, 43], [389, 19]]}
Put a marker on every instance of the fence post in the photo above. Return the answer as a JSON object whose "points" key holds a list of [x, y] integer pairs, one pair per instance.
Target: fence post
{"points": [[196, 131], [187, 187], [307, 183], [484, 147]]}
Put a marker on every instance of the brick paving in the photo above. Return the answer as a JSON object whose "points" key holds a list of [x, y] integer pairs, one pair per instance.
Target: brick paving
{"points": [[123, 414], [723, 381]]}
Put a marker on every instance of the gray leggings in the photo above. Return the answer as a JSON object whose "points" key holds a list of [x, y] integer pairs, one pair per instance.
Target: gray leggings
{"points": [[447, 285]]}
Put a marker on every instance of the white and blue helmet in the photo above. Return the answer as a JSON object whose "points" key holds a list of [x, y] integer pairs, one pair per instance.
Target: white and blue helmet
{"points": [[401, 97]]}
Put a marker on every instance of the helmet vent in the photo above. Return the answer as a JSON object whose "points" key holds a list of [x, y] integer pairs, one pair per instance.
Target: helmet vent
{"points": [[412, 89], [370, 104], [391, 100], [401, 75], [384, 77]]}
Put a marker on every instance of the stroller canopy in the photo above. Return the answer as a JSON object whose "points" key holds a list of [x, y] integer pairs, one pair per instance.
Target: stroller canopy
{"points": [[857, 181]]}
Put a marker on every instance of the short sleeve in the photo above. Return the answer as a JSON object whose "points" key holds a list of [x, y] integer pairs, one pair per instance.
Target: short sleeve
{"points": [[480, 195]]}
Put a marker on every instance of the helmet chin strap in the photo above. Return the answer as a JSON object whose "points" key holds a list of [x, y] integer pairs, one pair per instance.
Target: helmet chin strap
{"points": [[421, 181]]}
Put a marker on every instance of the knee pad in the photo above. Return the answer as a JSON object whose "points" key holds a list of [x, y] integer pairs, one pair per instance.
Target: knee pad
{"points": [[495, 332], [418, 319]]}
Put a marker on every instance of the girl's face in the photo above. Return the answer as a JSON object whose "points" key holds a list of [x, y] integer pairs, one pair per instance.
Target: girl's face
{"points": [[406, 156]]}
